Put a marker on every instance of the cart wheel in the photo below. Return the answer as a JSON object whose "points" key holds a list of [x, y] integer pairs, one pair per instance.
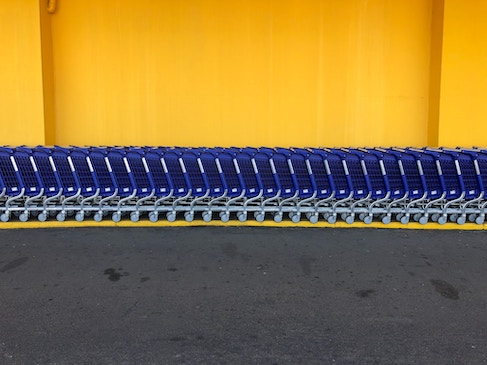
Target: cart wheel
{"points": [[242, 216], [344, 216], [296, 217], [98, 217], [278, 217], [453, 217], [224, 216], [399, 217], [350, 219], [416, 217], [423, 220], [4, 217], [134, 216], [435, 217], [189, 216], [461, 220], [386, 219], [332, 219], [368, 219], [153, 217], [480, 219], [471, 217], [313, 218], [24, 217], [442, 220], [362, 216], [405, 219], [116, 217], [171, 216], [207, 216], [42, 217], [79, 217], [61, 217], [259, 217]]}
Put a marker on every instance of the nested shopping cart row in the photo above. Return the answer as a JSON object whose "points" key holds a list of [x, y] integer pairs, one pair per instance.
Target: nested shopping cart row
{"points": [[350, 184]]}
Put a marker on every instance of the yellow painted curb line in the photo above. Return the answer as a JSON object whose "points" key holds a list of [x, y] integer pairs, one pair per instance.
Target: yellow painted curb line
{"points": [[250, 223]]}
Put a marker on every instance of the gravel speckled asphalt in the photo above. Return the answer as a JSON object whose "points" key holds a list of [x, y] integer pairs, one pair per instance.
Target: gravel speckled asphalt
{"points": [[213, 295]]}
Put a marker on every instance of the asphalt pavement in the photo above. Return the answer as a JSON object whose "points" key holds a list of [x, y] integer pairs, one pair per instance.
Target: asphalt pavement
{"points": [[211, 295]]}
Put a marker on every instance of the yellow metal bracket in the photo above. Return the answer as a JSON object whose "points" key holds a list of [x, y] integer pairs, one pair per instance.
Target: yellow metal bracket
{"points": [[51, 6]]}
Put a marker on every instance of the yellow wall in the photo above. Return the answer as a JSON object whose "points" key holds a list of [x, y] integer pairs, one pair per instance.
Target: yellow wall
{"points": [[463, 111], [21, 86], [246, 72]]}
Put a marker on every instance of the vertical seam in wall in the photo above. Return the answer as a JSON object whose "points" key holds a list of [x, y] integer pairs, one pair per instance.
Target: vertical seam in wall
{"points": [[47, 73], [436, 50]]}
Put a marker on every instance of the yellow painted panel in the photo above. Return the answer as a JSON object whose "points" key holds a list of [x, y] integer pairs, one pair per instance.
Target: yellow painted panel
{"points": [[246, 72], [21, 93], [463, 109]]}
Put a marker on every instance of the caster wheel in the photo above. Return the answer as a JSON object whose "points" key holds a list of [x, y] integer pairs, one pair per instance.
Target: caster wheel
{"points": [[116, 217], [242, 217], [225, 217], [207, 216], [471, 217], [23, 217], [332, 219], [386, 219], [296, 218], [362, 216], [134, 216], [326, 216], [416, 217], [480, 220], [399, 217], [4, 217], [79, 217], [171, 216], [259, 217], [453, 217], [442, 220], [61, 217], [313, 218], [405, 219], [367, 219], [344, 216], [42, 217], [435, 217], [188, 216], [423, 220], [98, 217], [278, 217], [153, 217], [461, 220], [350, 219]]}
